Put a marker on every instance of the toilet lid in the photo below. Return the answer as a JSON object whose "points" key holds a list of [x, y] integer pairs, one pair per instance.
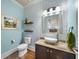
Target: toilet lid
{"points": [[22, 46]]}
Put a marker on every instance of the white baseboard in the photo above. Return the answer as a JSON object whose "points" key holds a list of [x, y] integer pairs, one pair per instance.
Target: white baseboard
{"points": [[6, 54], [31, 49]]}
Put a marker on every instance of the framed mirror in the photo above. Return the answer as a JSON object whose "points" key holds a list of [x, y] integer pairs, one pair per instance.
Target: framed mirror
{"points": [[52, 24]]}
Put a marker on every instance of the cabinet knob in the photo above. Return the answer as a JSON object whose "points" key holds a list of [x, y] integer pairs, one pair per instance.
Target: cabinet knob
{"points": [[48, 50]]}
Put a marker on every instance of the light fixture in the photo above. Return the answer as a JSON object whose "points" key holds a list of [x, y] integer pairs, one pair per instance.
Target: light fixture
{"points": [[58, 9], [52, 11], [45, 13]]}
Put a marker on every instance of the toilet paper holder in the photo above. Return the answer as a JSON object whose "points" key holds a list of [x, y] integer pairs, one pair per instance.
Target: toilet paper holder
{"points": [[12, 41]]}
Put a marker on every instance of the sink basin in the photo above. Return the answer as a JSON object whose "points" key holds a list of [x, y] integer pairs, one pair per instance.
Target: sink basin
{"points": [[50, 40]]}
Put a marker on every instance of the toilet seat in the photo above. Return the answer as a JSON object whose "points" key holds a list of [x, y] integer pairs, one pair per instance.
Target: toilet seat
{"points": [[22, 46]]}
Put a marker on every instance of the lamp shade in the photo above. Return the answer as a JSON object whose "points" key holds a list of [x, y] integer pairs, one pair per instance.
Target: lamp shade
{"points": [[58, 9], [45, 12]]}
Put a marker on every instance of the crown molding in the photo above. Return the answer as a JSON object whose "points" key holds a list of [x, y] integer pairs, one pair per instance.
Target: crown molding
{"points": [[32, 2], [18, 4]]}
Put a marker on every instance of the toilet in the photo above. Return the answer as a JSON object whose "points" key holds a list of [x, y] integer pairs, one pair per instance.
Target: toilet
{"points": [[22, 48]]}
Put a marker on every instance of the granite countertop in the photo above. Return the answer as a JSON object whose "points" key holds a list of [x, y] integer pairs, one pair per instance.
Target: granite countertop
{"points": [[59, 46]]}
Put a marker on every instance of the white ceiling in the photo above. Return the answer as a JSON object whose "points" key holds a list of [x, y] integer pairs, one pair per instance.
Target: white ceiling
{"points": [[23, 2], [26, 2]]}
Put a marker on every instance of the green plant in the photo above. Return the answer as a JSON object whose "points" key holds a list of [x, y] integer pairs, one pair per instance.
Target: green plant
{"points": [[71, 40]]}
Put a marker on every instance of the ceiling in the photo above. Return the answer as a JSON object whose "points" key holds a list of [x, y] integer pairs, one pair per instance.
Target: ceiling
{"points": [[26, 2], [23, 2]]}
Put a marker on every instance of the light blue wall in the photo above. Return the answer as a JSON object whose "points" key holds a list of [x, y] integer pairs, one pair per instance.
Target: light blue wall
{"points": [[8, 8], [72, 17], [34, 11]]}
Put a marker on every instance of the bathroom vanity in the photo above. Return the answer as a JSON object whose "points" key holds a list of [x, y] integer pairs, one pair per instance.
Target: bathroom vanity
{"points": [[53, 51]]}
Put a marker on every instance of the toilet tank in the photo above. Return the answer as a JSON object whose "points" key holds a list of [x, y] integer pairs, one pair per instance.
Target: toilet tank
{"points": [[27, 40]]}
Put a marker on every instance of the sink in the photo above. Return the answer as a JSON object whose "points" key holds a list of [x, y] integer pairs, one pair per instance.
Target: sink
{"points": [[50, 40]]}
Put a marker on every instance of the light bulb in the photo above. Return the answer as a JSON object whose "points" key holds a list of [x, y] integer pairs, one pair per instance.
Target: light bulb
{"points": [[51, 10], [45, 13], [58, 9]]}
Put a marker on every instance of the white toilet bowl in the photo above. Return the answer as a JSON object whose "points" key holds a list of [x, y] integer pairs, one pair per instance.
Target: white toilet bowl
{"points": [[22, 46], [22, 49]]}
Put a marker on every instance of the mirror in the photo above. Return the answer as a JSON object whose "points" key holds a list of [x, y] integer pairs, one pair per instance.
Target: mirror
{"points": [[52, 24]]}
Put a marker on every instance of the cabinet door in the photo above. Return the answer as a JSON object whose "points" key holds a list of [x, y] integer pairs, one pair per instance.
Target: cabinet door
{"points": [[65, 55], [57, 54], [40, 52], [50, 54]]}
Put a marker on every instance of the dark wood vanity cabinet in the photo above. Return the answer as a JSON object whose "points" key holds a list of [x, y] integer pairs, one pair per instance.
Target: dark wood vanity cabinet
{"points": [[40, 52], [43, 52]]}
